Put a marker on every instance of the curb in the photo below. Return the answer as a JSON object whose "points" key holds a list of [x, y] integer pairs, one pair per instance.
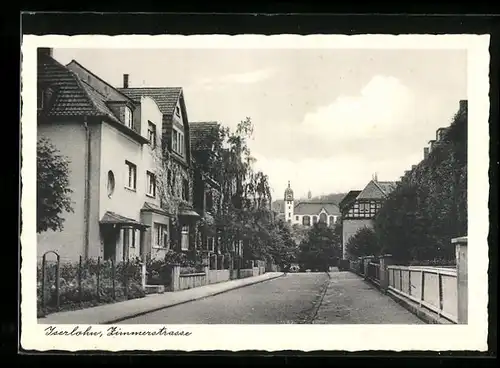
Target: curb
{"points": [[138, 314], [426, 316]]}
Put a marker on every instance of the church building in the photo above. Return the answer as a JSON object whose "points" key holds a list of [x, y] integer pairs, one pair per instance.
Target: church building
{"points": [[307, 212]]}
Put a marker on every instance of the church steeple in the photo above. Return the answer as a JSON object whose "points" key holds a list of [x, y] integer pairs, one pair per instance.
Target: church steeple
{"points": [[288, 193], [289, 203]]}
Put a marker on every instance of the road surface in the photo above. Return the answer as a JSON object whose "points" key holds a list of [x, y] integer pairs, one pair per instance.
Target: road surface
{"points": [[344, 298], [287, 299]]}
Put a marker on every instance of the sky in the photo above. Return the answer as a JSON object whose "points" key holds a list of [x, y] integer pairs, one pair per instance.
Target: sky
{"points": [[324, 119]]}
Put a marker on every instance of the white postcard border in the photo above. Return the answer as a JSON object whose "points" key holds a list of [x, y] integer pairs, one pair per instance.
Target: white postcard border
{"points": [[275, 337]]}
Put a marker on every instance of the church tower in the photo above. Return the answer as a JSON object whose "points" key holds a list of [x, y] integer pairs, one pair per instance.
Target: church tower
{"points": [[289, 204]]}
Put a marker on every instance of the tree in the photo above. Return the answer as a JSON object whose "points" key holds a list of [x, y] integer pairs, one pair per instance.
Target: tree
{"points": [[363, 243], [53, 192], [320, 248], [244, 210], [429, 206], [284, 249]]}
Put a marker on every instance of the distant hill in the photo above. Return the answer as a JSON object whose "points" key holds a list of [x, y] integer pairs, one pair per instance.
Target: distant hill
{"points": [[278, 204], [333, 197]]}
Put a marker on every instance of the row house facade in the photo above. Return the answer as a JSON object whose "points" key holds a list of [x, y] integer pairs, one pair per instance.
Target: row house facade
{"points": [[131, 170], [359, 207]]}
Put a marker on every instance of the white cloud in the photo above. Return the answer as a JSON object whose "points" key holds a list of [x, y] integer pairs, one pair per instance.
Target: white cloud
{"points": [[383, 105], [352, 127]]}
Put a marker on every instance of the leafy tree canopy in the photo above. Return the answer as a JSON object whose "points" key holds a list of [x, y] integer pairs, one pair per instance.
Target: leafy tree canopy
{"points": [[320, 248], [429, 206], [53, 192]]}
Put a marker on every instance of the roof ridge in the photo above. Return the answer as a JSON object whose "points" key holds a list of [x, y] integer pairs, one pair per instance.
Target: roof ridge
{"points": [[379, 187], [102, 80], [158, 88]]}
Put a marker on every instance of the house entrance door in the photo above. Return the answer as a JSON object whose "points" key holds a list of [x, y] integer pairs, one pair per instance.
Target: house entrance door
{"points": [[109, 236]]}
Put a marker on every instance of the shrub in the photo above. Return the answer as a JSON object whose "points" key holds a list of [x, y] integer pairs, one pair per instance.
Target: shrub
{"points": [[188, 270], [159, 272], [88, 283]]}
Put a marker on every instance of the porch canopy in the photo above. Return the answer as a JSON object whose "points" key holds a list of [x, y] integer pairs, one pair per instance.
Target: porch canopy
{"points": [[111, 218], [188, 213]]}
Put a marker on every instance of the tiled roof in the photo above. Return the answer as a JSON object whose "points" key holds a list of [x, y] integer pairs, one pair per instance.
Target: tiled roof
{"points": [[99, 101], [165, 97], [315, 207], [386, 186], [71, 98], [349, 197], [202, 133]]}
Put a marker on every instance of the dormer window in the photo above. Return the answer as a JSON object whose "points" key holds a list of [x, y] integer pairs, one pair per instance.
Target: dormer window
{"points": [[128, 117]]}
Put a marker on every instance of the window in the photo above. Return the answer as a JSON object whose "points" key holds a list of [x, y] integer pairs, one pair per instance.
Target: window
{"points": [[289, 214], [210, 244], [174, 140], [178, 142], [185, 190], [177, 111], [131, 180], [152, 134], [323, 218], [366, 209], [185, 237], [111, 183], [315, 219], [161, 236], [306, 221], [40, 97], [297, 218], [151, 184], [332, 220], [128, 117]]}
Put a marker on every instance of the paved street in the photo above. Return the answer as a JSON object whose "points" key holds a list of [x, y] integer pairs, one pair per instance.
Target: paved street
{"points": [[294, 298], [349, 299], [287, 299]]}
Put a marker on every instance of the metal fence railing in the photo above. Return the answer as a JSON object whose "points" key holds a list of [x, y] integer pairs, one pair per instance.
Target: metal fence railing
{"points": [[432, 287]]}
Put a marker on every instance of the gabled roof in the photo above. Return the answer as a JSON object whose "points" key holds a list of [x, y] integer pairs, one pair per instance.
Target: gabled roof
{"points": [[349, 198], [72, 97], [377, 190], [165, 97], [315, 207], [202, 134], [386, 186], [77, 68]]}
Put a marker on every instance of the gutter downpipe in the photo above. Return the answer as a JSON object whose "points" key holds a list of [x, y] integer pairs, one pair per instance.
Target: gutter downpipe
{"points": [[86, 215]]}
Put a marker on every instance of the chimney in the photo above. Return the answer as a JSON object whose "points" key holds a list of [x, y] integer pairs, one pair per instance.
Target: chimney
{"points": [[463, 104], [426, 152], [431, 144], [125, 80], [45, 51]]}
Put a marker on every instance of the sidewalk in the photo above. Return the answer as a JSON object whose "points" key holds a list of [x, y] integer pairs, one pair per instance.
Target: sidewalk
{"points": [[115, 312], [350, 300]]}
